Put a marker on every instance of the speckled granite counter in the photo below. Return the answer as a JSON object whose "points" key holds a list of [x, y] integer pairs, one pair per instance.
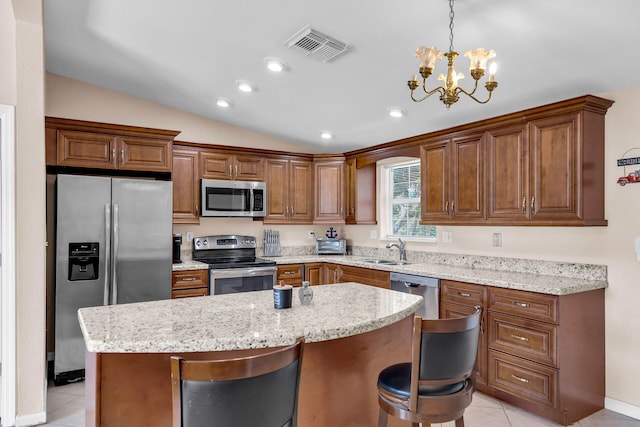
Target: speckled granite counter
{"points": [[190, 265], [241, 321], [575, 279], [351, 331]]}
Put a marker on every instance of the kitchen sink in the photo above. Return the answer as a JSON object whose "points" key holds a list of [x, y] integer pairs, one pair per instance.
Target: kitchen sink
{"points": [[384, 261]]}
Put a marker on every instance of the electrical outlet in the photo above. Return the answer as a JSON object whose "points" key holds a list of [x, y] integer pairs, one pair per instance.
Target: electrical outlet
{"points": [[497, 240], [189, 236], [310, 234], [447, 237]]}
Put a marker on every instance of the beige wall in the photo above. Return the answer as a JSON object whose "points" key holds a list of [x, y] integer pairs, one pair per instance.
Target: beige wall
{"points": [[612, 245], [73, 99], [22, 84]]}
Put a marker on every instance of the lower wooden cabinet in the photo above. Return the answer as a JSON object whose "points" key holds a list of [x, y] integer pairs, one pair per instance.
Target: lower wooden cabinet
{"points": [[314, 273], [290, 274], [331, 273], [189, 283], [543, 353], [367, 276]]}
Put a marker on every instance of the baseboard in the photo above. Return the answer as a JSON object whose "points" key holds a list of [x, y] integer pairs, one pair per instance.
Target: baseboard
{"points": [[622, 407], [31, 419]]}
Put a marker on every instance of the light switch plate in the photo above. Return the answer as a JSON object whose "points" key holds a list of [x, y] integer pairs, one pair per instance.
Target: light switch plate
{"points": [[497, 240], [447, 237], [189, 236]]}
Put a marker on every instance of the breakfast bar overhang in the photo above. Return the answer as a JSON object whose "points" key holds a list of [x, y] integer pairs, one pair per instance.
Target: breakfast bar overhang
{"points": [[352, 331]]}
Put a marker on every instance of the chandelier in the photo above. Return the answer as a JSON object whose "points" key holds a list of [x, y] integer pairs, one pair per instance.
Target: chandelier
{"points": [[450, 91]]}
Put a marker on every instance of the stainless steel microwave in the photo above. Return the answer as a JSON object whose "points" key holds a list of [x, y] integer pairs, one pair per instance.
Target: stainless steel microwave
{"points": [[233, 198]]}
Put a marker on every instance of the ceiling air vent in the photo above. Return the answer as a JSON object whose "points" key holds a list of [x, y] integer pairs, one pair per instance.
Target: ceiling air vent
{"points": [[315, 44]]}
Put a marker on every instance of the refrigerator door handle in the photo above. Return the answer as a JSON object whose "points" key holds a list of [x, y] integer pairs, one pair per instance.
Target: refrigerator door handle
{"points": [[107, 251], [114, 277]]}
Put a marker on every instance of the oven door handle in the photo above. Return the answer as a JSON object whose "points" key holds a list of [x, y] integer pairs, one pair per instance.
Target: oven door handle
{"points": [[242, 272]]}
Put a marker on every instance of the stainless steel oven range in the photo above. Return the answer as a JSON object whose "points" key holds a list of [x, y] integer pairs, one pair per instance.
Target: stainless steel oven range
{"points": [[233, 265]]}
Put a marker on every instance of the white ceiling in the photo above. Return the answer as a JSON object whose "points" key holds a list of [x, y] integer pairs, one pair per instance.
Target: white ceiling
{"points": [[185, 53]]}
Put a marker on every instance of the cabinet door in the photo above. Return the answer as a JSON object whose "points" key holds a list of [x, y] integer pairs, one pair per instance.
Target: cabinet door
{"points": [[300, 192], [216, 165], [314, 273], [365, 276], [467, 166], [508, 173], [331, 273], [329, 191], [277, 177], [248, 168], [360, 188], [185, 186], [350, 190], [434, 168], [144, 154], [87, 150], [555, 178]]}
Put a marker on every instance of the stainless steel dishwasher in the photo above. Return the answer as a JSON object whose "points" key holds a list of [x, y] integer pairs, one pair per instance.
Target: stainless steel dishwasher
{"points": [[427, 287]]}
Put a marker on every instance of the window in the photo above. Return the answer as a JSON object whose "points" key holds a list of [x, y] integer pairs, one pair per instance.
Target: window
{"points": [[403, 203]]}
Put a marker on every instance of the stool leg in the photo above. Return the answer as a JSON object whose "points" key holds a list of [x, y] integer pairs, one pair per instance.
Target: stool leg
{"points": [[460, 422], [382, 418]]}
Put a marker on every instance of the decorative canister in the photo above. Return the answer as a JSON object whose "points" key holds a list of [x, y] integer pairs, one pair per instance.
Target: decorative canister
{"points": [[305, 293], [282, 296]]}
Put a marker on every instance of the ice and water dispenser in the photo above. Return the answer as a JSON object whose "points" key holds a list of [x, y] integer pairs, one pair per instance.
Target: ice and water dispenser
{"points": [[83, 261]]}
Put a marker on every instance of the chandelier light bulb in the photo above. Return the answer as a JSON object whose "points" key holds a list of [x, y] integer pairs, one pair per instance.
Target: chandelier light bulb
{"points": [[492, 70]]}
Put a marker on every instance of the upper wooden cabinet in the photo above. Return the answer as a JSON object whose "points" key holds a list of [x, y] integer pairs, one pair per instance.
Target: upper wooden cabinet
{"points": [[186, 185], [289, 191], [360, 188], [453, 179], [544, 166], [221, 165], [83, 144], [329, 179]]}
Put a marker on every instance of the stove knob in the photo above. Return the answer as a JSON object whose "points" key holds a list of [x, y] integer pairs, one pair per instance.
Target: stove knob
{"points": [[197, 242], [205, 242]]}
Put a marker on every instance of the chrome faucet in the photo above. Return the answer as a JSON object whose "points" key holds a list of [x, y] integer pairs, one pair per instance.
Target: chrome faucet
{"points": [[403, 254]]}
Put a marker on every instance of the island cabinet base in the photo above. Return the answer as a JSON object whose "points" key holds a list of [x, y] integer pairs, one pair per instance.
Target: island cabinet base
{"points": [[337, 385]]}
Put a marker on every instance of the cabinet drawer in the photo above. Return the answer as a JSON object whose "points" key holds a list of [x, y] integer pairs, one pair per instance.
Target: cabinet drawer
{"points": [[525, 338], [293, 271], [463, 293], [189, 279], [525, 304], [528, 380], [187, 293]]}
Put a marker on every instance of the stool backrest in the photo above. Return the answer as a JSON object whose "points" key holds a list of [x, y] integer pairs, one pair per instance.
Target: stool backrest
{"points": [[259, 390], [444, 351]]}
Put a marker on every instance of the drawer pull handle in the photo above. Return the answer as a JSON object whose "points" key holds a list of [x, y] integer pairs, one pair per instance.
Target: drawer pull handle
{"points": [[518, 337], [464, 294], [188, 279], [287, 273], [521, 304], [522, 380]]}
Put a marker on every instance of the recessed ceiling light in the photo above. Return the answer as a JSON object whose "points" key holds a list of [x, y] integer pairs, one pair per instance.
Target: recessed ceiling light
{"points": [[397, 112], [275, 64], [245, 86], [326, 135], [223, 102]]}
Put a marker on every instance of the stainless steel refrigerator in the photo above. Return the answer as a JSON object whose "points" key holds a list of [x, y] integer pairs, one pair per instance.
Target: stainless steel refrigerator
{"points": [[113, 246]]}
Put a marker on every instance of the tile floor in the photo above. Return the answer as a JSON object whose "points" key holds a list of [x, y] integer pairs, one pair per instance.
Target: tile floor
{"points": [[65, 408]]}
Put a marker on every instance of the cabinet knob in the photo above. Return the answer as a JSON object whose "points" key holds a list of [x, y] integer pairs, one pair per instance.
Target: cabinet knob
{"points": [[446, 207], [524, 205], [533, 204], [453, 207], [113, 155], [122, 156], [230, 171]]}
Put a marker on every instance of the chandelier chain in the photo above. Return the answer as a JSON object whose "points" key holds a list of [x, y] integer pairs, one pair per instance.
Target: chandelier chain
{"points": [[451, 15]]}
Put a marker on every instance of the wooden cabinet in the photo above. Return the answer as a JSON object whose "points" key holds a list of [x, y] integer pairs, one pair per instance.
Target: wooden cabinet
{"points": [[225, 165], [82, 144], [331, 273], [186, 185], [189, 283], [290, 274], [366, 276], [543, 353], [314, 273], [329, 191], [360, 189], [289, 191], [453, 179], [458, 300]]}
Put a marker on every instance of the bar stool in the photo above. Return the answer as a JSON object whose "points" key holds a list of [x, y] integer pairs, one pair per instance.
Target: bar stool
{"points": [[259, 390], [438, 384]]}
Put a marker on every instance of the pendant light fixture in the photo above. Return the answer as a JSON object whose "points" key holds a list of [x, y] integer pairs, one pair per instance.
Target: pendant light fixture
{"points": [[450, 91]]}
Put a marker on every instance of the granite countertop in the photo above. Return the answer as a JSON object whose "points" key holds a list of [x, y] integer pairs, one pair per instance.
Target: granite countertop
{"points": [[190, 265], [541, 283], [242, 320]]}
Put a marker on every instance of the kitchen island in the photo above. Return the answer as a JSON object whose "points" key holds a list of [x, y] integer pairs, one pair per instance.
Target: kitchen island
{"points": [[352, 331]]}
